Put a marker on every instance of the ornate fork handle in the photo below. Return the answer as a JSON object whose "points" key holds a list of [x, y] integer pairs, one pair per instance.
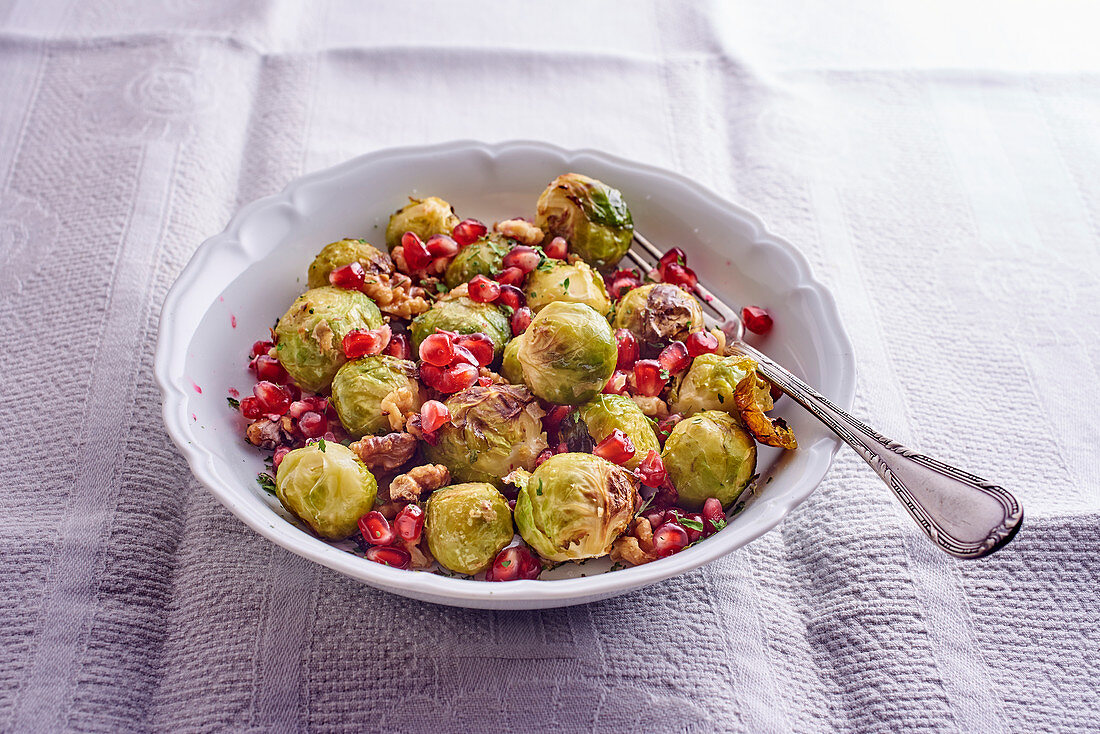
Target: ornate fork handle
{"points": [[964, 515]]}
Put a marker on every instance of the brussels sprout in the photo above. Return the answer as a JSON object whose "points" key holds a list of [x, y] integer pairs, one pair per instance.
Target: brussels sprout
{"points": [[344, 252], [567, 353], [425, 217], [310, 334], [465, 316], [753, 398], [484, 257], [510, 368], [327, 487], [574, 506], [467, 525], [588, 213], [556, 280], [709, 455], [493, 430], [604, 413], [659, 313], [373, 394], [710, 384]]}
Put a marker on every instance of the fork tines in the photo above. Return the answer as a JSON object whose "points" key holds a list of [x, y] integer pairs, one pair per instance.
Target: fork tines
{"points": [[715, 312]]}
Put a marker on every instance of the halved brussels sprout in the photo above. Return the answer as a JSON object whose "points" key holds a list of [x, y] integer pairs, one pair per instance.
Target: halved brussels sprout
{"points": [[510, 368], [373, 394], [493, 430], [557, 280], [467, 525], [709, 455], [345, 252], [309, 336], [604, 413], [659, 313], [328, 488], [710, 384], [484, 257], [567, 354], [424, 217], [574, 506], [588, 213], [465, 316]]}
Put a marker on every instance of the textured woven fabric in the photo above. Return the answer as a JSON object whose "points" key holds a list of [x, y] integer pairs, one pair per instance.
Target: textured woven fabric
{"points": [[940, 169]]}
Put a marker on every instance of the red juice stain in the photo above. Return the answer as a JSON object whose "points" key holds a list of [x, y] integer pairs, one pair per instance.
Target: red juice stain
{"points": [[193, 417], [234, 392], [233, 321], [197, 388]]}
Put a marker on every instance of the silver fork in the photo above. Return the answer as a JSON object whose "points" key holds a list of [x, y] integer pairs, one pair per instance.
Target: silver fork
{"points": [[960, 513]]}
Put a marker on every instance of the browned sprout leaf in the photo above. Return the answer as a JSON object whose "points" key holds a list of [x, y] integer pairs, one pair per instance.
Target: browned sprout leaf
{"points": [[753, 398]]}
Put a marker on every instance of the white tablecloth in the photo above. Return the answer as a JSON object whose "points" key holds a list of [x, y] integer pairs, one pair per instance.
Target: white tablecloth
{"points": [[939, 164]]}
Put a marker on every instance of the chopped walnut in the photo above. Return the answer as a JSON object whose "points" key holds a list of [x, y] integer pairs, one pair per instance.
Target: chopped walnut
{"points": [[398, 405], [636, 547], [460, 290], [494, 378], [418, 481], [324, 335], [418, 552], [269, 434], [385, 453], [520, 230], [394, 294], [651, 406]]}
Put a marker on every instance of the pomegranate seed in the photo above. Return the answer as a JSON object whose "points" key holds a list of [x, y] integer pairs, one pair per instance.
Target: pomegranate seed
{"points": [[430, 375], [416, 254], [563, 448], [468, 231], [652, 470], [616, 448], [389, 556], [714, 517], [437, 349], [512, 297], [313, 425], [756, 319], [622, 282], [251, 408], [543, 456], [376, 529], [277, 458], [409, 523], [399, 347], [510, 276], [513, 564], [433, 414], [299, 408], [674, 358], [675, 255], [688, 521], [349, 277], [483, 290], [551, 422], [523, 257], [679, 275], [480, 345], [649, 377], [521, 319], [260, 347], [485, 381], [268, 368], [456, 378], [295, 391], [670, 538], [665, 426], [366, 343], [628, 349], [666, 496], [617, 384], [273, 399], [441, 246], [701, 342], [557, 249], [464, 356], [656, 517]]}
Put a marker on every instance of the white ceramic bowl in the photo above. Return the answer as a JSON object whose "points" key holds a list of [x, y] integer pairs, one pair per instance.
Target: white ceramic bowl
{"points": [[241, 280]]}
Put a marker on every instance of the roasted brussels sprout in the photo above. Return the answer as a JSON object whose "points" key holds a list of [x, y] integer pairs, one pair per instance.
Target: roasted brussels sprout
{"points": [[484, 257], [709, 455], [467, 525], [659, 313], [465, 316], [344, 252], [710, 384], [310, 334], [567, 353], [753, 398], [574, 506], [604, 413], [588, 213], [327, 487], [493, 430], [510, 368], [374, 394], [557, 280], [425, 217]]}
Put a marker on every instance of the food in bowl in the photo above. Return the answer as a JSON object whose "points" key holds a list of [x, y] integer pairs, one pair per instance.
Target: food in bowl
{"points": [[492, 402]]}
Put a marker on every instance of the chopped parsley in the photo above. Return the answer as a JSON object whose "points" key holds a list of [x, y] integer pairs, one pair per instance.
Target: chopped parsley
{"points": [[538, 489], [321, 444], [233, 403], [565, 285], [689, 522], [266, 483]]}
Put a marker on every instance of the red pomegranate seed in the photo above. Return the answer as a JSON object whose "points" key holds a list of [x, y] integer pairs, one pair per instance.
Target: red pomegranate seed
{"points": [[628, 349], [399, 347], [688, 521], [464, 356], [483, 290], [656, 517], [513, 564], [543, 456], [510, 276], [674, 358], [665, 426], [389, 556], [468, 231], [551, 422], [416, 254], [512, 297], [313, 425], [649, 377], [563, 448], [299, 408], [349, 277], [479, 345], [675, 255], [409, 523], [679, 275], [666, 496], [277, 457], [523, 257], [652, 470], [441, 246], [273, 399], [437, 349], [430, 375], [268, 368], [456, 378], [622, 282], [756, 319], [714, 517], [376, 529], [670, 538], [294, 390], [521, 319], [557, 249], [433, 414], [701, 342], [616, 448], [366, 343], [485, 381], [251, 408], [260, 347], [617, 384]]}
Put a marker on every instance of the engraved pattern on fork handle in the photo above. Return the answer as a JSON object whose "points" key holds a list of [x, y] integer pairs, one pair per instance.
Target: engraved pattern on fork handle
{"points": [[962, 514]]}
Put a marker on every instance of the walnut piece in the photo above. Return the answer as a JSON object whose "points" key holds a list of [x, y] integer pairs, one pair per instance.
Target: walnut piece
{"points": [[395, 294], [636, 547], [520, 230], [397, 405], [385, 453], [418, 481], [418, 552], [269, 434], [652, 406]]}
